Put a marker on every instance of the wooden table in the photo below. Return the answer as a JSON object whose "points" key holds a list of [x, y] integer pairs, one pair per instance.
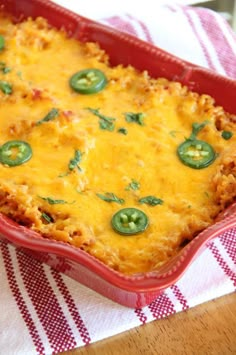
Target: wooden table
{"points": [[208, 329]]}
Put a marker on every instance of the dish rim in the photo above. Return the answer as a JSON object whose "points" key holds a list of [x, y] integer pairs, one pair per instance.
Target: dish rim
{"points": [[175, 268], [150, 281]]}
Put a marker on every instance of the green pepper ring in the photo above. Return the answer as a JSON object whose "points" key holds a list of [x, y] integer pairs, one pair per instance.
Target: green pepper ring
{"points": [[129, 221], [24, 154], [2, 42], [88, 81], [188, 160]]}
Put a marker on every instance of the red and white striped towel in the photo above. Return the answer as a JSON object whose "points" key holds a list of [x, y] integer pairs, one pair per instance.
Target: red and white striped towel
{"points": [[45, 312]]}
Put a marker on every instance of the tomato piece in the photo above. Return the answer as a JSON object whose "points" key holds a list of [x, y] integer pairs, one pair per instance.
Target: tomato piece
{"points": [[88, 81], [129, 221], [196, 154], [15, 153], [37, 94]]}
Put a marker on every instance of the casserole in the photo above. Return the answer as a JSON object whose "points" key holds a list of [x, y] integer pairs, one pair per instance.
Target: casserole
{"points": [[130, 290]]}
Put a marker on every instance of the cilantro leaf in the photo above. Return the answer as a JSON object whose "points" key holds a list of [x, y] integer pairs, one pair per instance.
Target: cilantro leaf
{"points": [[4, 68], [52, 201], [151, 200], [2, 43], [105, 122], [49, 117], [46, 217], [110, 197], [226, 135], [196, 128], [6, 87], [75, 161], [134, 185], [122, 130], [135, 117]]}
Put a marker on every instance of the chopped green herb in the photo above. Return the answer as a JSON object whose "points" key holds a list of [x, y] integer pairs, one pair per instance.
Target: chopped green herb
{"points": [[4, 68], [79, 191], [63, 174], [52, 201], [2, 42], [6, 87], [135, 117], [134, 185], [110, 197], [49, 117], [47, 217], [75, 161], [122, 131], [173, 133], [151, 200], [19, 74], [106, 125], [226, 135], [105, 122], [196, 128]]}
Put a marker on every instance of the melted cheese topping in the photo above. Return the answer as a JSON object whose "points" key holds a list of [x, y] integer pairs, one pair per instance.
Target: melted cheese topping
{"points": [[41, 62]]}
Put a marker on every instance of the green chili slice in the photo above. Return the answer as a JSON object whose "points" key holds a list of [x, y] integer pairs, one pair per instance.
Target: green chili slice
{"points": [[15, 153], [88, 81], [196, 154], [2, 43], [128, 221]]}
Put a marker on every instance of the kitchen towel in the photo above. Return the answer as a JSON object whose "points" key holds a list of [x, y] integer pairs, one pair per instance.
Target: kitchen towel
{"points": [[45, 312]]}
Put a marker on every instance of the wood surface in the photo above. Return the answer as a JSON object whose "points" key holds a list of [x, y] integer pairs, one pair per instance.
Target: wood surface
{"points": [[207, 329]]}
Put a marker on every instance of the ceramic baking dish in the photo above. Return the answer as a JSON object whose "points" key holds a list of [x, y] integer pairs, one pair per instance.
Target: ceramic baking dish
{"points": [[138, 290]]}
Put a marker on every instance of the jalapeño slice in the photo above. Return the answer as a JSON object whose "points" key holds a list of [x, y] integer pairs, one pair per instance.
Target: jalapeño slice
{"points": [[196, 154], [129, 221], [88, 81], [15, 153]]}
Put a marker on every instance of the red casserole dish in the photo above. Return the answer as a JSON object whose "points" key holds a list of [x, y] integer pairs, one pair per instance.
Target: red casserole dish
{"points": [[138, 290]]}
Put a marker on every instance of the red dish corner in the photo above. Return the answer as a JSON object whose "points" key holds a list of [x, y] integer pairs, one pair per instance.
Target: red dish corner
{"points": [[139, 290]]}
